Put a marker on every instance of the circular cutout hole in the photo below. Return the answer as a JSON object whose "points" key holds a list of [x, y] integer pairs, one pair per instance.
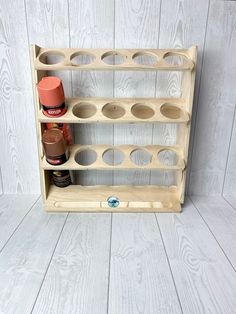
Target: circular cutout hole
{"points": [[112, 58], [175, 58], [140, 157], [142, 111], [82, 58], [51, 57], [168, 157], [86, 157], [84, 110], [144, 58], [170, 111], [113, 111], [113, 156]]}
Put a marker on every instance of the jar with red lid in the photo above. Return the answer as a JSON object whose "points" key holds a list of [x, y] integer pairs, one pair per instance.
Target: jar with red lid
{"points": [[51, 96]]}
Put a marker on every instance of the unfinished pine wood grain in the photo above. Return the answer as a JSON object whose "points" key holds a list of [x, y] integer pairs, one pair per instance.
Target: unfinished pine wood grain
{"points": [[129, 157], [142, 32], [25, 258], [204, 278], [97, 60], [140, 278], [13, 209], [216, 101], [92, 26], [221, 219], [77, 279], [122, 110], [131, 198], [19, 165], [97, 154]]}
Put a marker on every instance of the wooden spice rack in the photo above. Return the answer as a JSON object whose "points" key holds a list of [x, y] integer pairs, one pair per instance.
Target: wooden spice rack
{"points": [[147, 198]]}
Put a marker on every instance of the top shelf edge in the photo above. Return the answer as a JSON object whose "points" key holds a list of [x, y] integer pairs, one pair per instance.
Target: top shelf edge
{"points": [[99, 56]]}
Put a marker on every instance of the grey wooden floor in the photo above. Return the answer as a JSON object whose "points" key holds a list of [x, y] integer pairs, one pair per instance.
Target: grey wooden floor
{"points": [[120, 263]]}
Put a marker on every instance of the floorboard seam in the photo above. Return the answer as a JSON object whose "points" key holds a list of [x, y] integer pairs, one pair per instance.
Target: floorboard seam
{"points": [[17, 227], [109, 265], [167, 258], [223, 196], [195, 206], [49, 263], [229, 151]]}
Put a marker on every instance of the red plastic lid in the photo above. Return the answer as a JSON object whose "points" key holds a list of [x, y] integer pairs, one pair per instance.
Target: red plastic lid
{"points": [[51, 91]]}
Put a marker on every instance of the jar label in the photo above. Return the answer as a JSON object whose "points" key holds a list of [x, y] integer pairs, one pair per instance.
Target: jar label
{"points": [[54, 111]]}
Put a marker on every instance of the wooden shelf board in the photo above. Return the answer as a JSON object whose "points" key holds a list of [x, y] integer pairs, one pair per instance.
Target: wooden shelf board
{"points": [[122, 110], [94, 199], [125, 150], [128, 59]]}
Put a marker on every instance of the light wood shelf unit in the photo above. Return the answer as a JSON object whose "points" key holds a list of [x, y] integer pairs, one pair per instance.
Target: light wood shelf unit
{"points": [[118, 110], [133, 198], [125, 162], [126, 62], [111, 110]]}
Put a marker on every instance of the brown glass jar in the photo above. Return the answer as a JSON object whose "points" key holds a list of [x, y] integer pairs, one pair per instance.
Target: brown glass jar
{"points": [[55, 151]]}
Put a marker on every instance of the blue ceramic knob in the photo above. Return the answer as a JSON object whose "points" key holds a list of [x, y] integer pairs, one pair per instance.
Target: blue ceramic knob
{"points": [[113, 201]]}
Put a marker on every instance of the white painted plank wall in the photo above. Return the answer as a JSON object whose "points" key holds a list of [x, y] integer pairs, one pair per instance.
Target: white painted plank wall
{"points": [[18, 148], [216, 101], [92, 26], [136, 25], [181, 26], [121, 23], [48, 26]]}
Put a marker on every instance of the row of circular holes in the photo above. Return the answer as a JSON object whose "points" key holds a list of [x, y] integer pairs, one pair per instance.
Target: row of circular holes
{"points": [[114, 157], [111, 58], [113, 110]]}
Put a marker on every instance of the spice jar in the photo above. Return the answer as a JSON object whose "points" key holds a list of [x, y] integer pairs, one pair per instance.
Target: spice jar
{"points": [[65, 128], [56, 154], [51, 96]]}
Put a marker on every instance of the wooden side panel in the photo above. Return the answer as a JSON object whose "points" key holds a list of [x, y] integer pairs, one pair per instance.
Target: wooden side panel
{"points": [[92, 26], [136, 26], [18, 158], [216, 101]]}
